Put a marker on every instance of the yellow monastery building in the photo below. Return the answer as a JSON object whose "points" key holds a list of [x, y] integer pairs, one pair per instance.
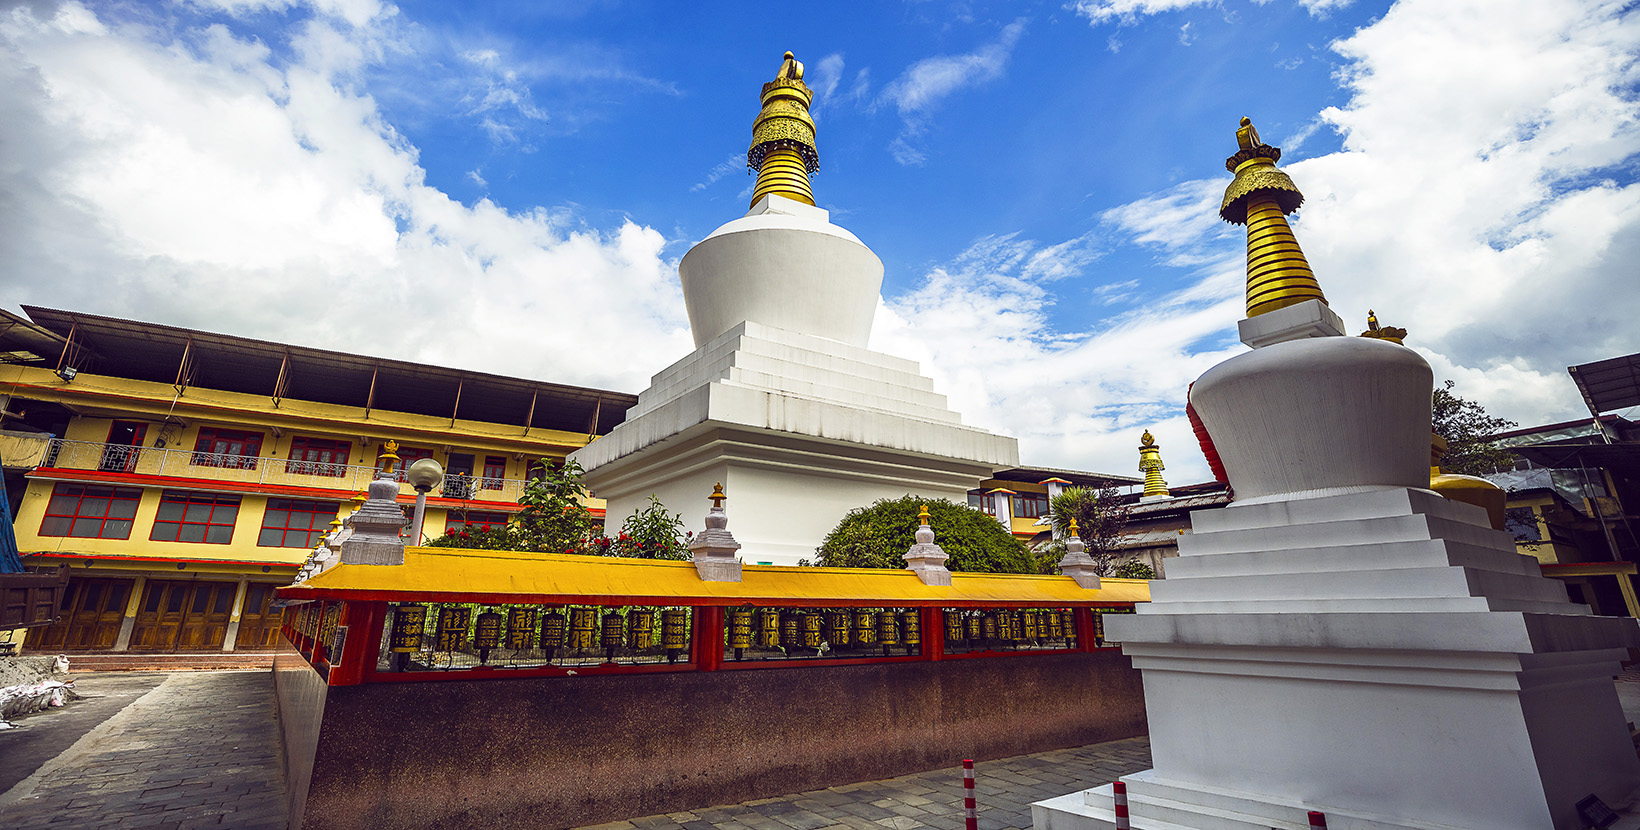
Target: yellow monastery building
{"points": [[181, 475]]}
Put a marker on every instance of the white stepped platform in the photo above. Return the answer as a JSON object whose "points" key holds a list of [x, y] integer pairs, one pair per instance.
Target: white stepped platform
{"points": [[784, 419], [1385, 657]]}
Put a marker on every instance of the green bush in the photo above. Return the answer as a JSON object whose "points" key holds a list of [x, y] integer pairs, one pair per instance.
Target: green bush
{"points": [[1134, 569], [878, 537]]}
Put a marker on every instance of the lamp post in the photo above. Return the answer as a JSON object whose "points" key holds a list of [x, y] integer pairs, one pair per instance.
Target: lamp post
{"points": [[423, 475]]}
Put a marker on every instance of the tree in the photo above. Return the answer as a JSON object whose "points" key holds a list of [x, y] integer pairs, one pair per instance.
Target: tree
{"points": [[552, 520], [1134, 569], [1468, 431], [650, 533], [1100, 515], [878, 537]]}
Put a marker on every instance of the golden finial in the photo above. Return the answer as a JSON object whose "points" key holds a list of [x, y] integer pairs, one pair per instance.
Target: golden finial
{"points": [[783, 152], [359, 500], [1073, 529], [922, 515], [389, 454], [717, 496], [1390, 333], [335, 522], [1150, 463], [1260, 197]]}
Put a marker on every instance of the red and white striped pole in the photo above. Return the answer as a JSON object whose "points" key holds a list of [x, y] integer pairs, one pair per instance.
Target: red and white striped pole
{"points": [[1318, 820], [970, 813], [1121, 806]]}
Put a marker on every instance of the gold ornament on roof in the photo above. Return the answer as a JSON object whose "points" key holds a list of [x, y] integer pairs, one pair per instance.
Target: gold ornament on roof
{"points": [[783, 152], [1150, 463], [1390, 333], [717, 496], [389, 454], [1260, 197]]}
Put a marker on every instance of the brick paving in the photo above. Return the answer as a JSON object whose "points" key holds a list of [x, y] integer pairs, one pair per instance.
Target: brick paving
{"points": [[200, 750], [1003, 789]]}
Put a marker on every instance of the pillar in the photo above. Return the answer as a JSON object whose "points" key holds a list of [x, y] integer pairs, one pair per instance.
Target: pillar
{"points": [[230, 639], [129, 623]]}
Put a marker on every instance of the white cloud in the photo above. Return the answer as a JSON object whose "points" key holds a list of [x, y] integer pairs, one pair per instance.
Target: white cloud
{"points": [[213, 186], [920, 89], [733, 164], [1320, 8], [1185, 37], [1127, 11], [1484, 199]]}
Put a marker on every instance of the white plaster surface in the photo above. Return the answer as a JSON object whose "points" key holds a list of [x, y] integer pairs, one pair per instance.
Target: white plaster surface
{"points": [[1311, 318], [783, 264]]}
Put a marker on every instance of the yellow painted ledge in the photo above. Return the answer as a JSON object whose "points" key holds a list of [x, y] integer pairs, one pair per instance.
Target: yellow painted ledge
{"points": [[449, 575]]}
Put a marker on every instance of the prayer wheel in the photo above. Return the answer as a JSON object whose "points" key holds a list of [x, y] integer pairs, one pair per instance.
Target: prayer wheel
{"points": [[811, 630], [973, 628], [487, 634], [640, 629], [452, 627], [674, 632], [520, 627], [1056, 625], [910, 630], [580, 627], [408, 621], [1033, 626], [888, 632], [789, 636], [953, 626], [740, 630], [768, 628], [988, 626], [837, 628], [552, 632], [863, 633], [1005, 626], [612, 633]]}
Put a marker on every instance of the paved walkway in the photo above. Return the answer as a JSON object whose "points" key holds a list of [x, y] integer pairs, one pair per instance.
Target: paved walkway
{"points": [[199, 750], [1003, 789]]}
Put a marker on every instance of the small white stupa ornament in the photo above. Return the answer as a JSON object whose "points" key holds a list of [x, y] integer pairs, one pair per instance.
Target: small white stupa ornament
{"points": [[1077, 564], [715, 547], [925, 558]]}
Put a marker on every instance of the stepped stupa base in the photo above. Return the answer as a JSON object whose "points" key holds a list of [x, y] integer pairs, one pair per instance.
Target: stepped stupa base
{"points": [[1384, 657]]}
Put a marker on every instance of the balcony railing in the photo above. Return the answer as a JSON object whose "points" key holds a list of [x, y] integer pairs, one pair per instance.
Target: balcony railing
{"points": [[249, 469]]}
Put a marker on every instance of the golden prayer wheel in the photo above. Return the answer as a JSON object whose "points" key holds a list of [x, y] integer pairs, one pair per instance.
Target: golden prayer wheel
{"points": [[1007, 626], [1033, 628], [580, 627], [1060, 624], [640, 630], [789, 630], [864, 634], [888, 631], [452, 627], [910, 630], [520, 627], [811, 630], [988, 626], [487, 634], [1098, 628], [953, 626], [612, 633], [674, 632], [552, 630], [408, 621], [740, 630], [837, 628], [768, 628]]}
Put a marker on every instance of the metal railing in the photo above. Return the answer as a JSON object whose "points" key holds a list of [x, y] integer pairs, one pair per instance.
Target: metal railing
{"points": [[250, 469]]}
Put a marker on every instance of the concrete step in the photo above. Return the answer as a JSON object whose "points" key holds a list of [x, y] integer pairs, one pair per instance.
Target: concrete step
{"points": [[104, 661]]}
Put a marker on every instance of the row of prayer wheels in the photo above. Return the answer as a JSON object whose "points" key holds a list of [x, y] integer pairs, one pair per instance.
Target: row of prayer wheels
{"points": [[1009, 626], [527, 627], [770, 628]]}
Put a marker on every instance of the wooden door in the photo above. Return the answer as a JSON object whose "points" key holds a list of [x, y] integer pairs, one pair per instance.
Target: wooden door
{"points": [[205, 622], [183, 616], [88, 619], [258, 622], [159, 617]]}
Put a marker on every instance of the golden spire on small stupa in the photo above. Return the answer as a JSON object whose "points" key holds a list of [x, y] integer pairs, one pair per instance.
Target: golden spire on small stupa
{"points": [[1150, 463], [1260, 197], [783, 151], [1390, 333], [717, 498], [922, 515], [390, 454]]}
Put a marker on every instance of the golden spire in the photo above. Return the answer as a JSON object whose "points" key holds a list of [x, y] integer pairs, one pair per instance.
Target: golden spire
{"points": [[1073, 529], [922, 515], [1260, 197], [1390, 333], [783, 151], [390, 454], [717, 496], [1150, 463]]}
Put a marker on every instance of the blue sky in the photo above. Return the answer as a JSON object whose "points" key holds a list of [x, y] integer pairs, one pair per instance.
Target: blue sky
{"points": [[1040, 180]]}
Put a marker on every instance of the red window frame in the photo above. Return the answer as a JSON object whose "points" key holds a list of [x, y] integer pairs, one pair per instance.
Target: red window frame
{"points": [[231, 448], [458, 520], [495, 469], [299, 523], [318, 456], [209, 516], [1030, 505], [89, 511]]}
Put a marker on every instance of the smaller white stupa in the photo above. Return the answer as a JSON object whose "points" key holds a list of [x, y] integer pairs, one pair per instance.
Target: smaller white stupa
{"points": [[781, 401]]}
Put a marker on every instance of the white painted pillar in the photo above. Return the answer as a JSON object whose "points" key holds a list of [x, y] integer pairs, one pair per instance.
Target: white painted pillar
{"points": [[122, 642], [1002, 502], [230, 639]]}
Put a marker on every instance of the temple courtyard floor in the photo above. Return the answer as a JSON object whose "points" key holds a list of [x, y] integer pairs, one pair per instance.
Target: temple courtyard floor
{"points": [[182, 750]]}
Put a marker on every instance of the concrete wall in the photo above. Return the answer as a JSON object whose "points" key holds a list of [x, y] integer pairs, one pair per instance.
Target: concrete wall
{"points": [[300, 693], [563, 752]]}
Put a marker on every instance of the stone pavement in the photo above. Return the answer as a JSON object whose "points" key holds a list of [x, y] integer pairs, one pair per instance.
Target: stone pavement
{"points": [[42, 736], [1003, 789], [200, 750]]}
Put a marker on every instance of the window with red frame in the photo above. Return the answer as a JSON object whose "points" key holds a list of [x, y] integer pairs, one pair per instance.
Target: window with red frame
{"points": [[474, 520], [195, 517], [407, 456], [289, 523], [230, 448], [1030, 505], [495, 469], [318, 457], [90, 512]]}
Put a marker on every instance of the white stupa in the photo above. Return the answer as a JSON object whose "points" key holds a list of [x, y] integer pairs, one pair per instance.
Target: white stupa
{"points": [[1340, 638], [781, 401]]}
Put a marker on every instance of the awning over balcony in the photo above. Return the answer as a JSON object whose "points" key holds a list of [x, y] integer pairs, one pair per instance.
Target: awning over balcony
{"points": [[481, 576]]}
